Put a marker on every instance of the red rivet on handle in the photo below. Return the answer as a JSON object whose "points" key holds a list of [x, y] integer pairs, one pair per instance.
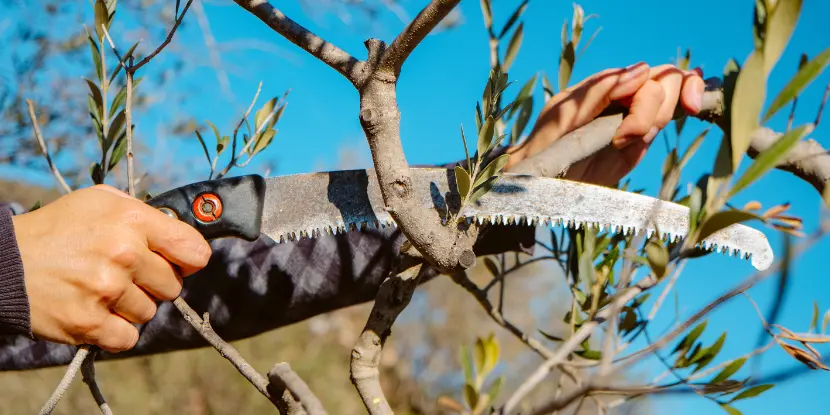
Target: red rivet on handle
{"points": [[207, 207]]}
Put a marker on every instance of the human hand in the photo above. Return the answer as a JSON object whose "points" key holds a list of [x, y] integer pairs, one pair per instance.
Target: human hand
{"points": [[96, 260], [652, 94]]}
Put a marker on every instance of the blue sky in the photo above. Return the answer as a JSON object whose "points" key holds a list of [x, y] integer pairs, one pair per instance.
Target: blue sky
{"points": [[444, 77]]}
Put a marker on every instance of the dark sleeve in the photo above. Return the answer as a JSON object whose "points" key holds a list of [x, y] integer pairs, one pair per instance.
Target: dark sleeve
{"points": [[14, 305], [249, 288]]}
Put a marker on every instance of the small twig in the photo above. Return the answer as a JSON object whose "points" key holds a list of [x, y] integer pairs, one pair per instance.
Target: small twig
{"points": [[821, 106], [415, 32], [480, 295], [226, 350], [393, 296], [88, 372], [55, 172], [666, 290], [571, 344], [283, 379], [128, 115], [166, 41], [326, 52], [67, 379]]}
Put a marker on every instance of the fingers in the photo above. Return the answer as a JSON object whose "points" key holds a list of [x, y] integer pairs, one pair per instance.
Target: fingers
{"points": [[176, 241], [158, 277], [691, 96], [135, 306], [114, 335], [640, 122]]}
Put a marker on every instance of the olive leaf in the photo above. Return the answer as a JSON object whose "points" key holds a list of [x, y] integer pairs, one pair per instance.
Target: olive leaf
{"points": [[752, 392], [513, 18], [462, 181], [658, 257], [729, 371], [723, 219], [748, 99], [513, 47], [805, 75], [779, 29]]}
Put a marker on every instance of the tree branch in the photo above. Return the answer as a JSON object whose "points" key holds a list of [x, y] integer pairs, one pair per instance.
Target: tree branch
{"points": [[393, 296], [88, 372], [67, 379], [406, 42], [55, 172], [226, 350], [325, 51], [807, 160], [295, 396], [167, 40]]}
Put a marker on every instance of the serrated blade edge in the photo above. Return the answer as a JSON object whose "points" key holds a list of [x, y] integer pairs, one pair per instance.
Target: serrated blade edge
{"points": [[313, 204]]}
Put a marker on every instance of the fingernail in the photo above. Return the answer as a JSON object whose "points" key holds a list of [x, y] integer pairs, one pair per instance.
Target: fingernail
{"points": [[697, 102], [633, 71]]}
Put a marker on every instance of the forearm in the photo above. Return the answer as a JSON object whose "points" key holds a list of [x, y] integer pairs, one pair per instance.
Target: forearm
{"points": [[14, 306]]}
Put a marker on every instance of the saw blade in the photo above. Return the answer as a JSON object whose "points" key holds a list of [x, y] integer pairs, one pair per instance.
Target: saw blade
{"points": [[313, 204]]}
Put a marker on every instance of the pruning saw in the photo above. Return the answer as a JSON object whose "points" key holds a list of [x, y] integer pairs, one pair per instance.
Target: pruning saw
{"points": [[287, 208]]}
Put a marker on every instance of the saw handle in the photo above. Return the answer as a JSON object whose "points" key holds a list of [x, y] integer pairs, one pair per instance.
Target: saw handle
{"points": [[228, 207]]}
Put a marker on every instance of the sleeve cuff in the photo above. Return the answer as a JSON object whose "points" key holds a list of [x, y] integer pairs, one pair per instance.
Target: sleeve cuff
{"points": [[14, 303]]}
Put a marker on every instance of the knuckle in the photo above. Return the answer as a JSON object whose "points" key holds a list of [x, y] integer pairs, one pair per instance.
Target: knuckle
{"points": [[80, 328], [148, 313], [125, 255], [108, 287]]}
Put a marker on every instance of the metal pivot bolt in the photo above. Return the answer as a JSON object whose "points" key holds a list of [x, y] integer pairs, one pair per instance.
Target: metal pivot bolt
{"points": [[207, 207], [169, 212]]}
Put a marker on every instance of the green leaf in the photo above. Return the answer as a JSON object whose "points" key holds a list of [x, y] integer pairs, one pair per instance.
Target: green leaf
{"points": [[708, 354], [513, 18], [465, 363], [118, 152], [814, 321], [116, 126], [547, 87], [770, 157], [779, 29], [101, 18], [263, 140], [462, 180], [748, 99], [264, 112], [723, 219], [95, 111], [491, 355], [96, 174], [495, 389], [485, 135], [589, 354], [728, 371], [215, 130], [752, 392], [222, 144], [524, 93], [480, 355], [96, 58], [126, 58], [493, 169], [803, 78], [486, 13], [36, 206], [522, 120], [121, 96], [97, 96], [470, 395], [690, 338], [513, 47], [566, 64], [658, 257], [466, 151], [730, 410], [825, 321], [482, 189]]}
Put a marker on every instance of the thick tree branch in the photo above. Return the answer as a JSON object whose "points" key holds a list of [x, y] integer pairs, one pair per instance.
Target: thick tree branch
{"points": [[392, 298], [406, 42], [325, 51], [807, 160]]}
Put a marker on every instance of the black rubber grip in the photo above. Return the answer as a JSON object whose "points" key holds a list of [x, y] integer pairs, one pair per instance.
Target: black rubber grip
{"points": [[228, 207]]}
